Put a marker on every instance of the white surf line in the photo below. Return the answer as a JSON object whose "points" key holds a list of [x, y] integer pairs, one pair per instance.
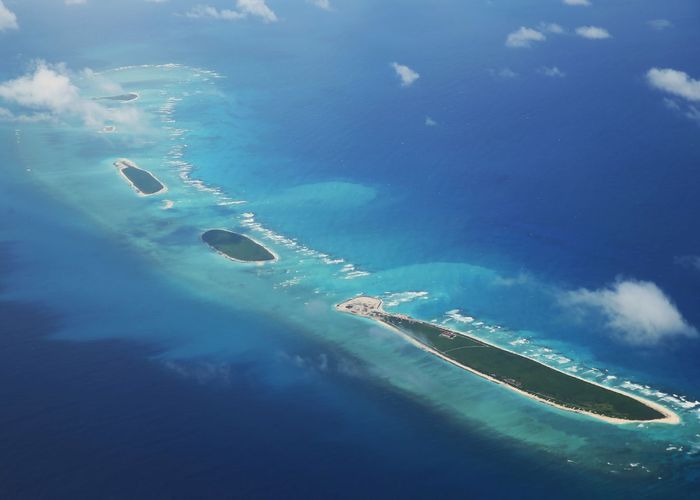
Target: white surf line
{"points": [[175, 157], [352, 272], [536, 350], [123, 163], [670, 417]]}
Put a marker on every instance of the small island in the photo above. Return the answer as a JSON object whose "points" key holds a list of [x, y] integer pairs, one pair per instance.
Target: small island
{"points": [[131, 96], [237, 247], [143, 181], [515, 371]]}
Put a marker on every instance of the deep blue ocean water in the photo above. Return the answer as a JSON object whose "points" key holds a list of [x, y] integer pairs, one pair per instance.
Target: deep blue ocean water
{"points": [[133, 365], [115, 419]]}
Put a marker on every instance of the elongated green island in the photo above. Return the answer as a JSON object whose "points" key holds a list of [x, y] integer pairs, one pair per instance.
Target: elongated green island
{"points": [[237, 246], [518, 372], [143, 181], [131, 96]]}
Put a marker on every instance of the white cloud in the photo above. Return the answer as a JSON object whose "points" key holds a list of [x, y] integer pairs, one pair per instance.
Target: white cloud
{"points": [[206, 11], [675, 82], [660, 24], [429, 122], [692, 261], [257, 8], [553, 72], [244, 9], [505, 73], [47, 87], [521, 279], [593, 32], [75, 2], [321, 4], [671, 104], [678, 84], [693, 113], [580, 3], [48, 92], [8, 116], [405, 74], [100, 83], [523, 37], [8, 19], [637, 311], [554, 28]]}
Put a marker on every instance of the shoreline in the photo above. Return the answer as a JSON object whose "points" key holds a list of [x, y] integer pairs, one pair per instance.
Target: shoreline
{"points": [[670, 417], [123, 163], [115, 98], [252, 262]]}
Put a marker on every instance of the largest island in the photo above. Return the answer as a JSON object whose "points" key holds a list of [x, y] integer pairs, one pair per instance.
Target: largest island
{"points": [[522, 374]]}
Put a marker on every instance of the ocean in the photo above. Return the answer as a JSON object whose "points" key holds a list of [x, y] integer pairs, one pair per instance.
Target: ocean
{"points": [[138, 363]]}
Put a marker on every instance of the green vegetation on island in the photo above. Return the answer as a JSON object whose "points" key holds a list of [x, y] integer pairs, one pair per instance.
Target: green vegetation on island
{"points": [[517, 371], [131, 96], [524, 373], [142, 180], [236, 246]]}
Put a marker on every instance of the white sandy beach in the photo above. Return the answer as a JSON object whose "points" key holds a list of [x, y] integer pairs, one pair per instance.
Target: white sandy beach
{"points": [[123, 163], [259, 263], [365, 306]]}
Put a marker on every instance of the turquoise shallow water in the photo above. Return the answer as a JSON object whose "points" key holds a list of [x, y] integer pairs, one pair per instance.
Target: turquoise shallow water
{"points": [[526, 188], [297, 293]]}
